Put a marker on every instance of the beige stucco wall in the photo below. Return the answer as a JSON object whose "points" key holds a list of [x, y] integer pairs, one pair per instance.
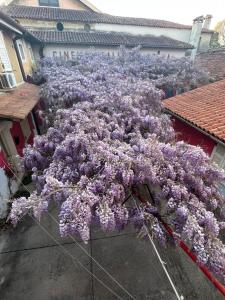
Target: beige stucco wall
{"points": [[72, 4], [69, 51], [1, 68], [13, 57], [43, 25], [69, 4]]}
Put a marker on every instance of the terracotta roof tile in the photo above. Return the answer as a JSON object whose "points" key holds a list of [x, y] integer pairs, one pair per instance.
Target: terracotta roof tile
{"points": [[17, 103], [204, 107], [108, 39], [70, 15]]}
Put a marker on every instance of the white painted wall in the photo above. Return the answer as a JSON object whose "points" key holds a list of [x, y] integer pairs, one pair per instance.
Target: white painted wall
{"points": [[4, 193], [174, 33], [69, 51], [205, 41]]}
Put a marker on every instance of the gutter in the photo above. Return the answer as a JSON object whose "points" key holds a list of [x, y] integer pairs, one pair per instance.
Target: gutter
{"points": [[195, 127], [10, 27]]}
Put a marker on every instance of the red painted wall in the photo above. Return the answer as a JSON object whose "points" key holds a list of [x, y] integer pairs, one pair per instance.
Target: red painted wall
{"points": [[3, 162], [32, 128], [192, 136], [18, 137]]}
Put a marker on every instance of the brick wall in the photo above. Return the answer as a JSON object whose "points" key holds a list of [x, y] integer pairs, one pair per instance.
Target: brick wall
{"points": [[213, 61]]}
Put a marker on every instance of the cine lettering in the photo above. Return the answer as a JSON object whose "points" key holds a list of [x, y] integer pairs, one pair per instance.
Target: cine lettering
{"points": [[64, 54]]}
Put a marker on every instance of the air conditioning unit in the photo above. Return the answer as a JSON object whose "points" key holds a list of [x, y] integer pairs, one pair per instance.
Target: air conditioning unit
{"points": [[7, 80]]}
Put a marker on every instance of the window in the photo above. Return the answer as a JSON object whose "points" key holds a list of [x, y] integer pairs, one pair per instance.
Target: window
{"points": [[60, 26], [87, 27], [218, 156], [4, 57], [54, 3], [21, 50]]}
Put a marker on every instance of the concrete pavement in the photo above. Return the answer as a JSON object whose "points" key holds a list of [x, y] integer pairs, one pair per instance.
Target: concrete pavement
{"points": [[34, 267]]}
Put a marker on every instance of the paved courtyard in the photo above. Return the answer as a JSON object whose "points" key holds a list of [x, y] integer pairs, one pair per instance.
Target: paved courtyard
{"points": [[33, 266]]}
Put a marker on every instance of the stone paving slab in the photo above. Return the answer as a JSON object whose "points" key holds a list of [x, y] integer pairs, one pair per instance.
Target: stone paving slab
{"points": [[98, 233], [187, 277], [45, 274], [134, 265], [33, 267], [28, 234]]}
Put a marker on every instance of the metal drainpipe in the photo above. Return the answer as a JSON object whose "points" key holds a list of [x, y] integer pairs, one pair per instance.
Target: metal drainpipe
{"points": [[18, 57], [41, 50]]}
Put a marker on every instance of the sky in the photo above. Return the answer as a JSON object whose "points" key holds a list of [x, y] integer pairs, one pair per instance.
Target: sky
{"points": [[180, 11]]}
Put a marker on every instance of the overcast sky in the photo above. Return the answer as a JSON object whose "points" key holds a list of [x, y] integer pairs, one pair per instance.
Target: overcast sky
{"points": [[181, 11]]}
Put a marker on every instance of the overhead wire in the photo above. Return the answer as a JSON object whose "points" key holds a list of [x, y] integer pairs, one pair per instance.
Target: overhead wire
{"points": [[77, 243], [179, 297], [75, 259]]}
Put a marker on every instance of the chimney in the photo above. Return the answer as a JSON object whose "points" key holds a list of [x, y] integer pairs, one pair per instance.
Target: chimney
{"points": [[196, 34], [207, 23]]}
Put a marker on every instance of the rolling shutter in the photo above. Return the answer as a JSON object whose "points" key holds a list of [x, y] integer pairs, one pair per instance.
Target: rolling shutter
{"points": [[4, 58]]}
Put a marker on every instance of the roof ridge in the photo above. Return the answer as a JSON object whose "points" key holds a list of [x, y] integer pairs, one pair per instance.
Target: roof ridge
{"points": [[203, 107], [112, 38], [100, 14]]}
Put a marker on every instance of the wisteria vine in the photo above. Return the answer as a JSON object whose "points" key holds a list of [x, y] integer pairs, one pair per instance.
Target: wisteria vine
{"points": [[109, 136]]}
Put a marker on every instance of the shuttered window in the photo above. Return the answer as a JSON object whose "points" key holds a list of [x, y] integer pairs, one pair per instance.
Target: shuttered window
{"points": [[4, 58]]}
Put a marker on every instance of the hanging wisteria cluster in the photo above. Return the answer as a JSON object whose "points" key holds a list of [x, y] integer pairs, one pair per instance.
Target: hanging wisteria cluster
{"points": [[108, 138]]}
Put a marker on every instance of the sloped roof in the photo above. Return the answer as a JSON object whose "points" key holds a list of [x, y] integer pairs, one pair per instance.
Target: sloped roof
{"points": [[69, 15], [108, 39], [84, 2], [14, 25], [204, 107], [17, 103], [213, 61]]}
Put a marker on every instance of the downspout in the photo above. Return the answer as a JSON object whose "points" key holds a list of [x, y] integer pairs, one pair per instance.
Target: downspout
{"points": [[41, 50], [18, 57]]}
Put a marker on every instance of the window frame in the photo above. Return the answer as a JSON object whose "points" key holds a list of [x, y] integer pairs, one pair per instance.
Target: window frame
{"points": [[21, 49], [216, 155]]}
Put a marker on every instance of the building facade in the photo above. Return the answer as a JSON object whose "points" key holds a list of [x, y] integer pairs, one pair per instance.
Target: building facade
{"points": [[212, 61], [18, 100], [199, 119], [53, 20]]}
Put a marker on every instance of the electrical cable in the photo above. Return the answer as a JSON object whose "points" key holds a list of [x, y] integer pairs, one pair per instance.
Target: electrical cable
{"points": [[179, 297], [81, 247]]}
